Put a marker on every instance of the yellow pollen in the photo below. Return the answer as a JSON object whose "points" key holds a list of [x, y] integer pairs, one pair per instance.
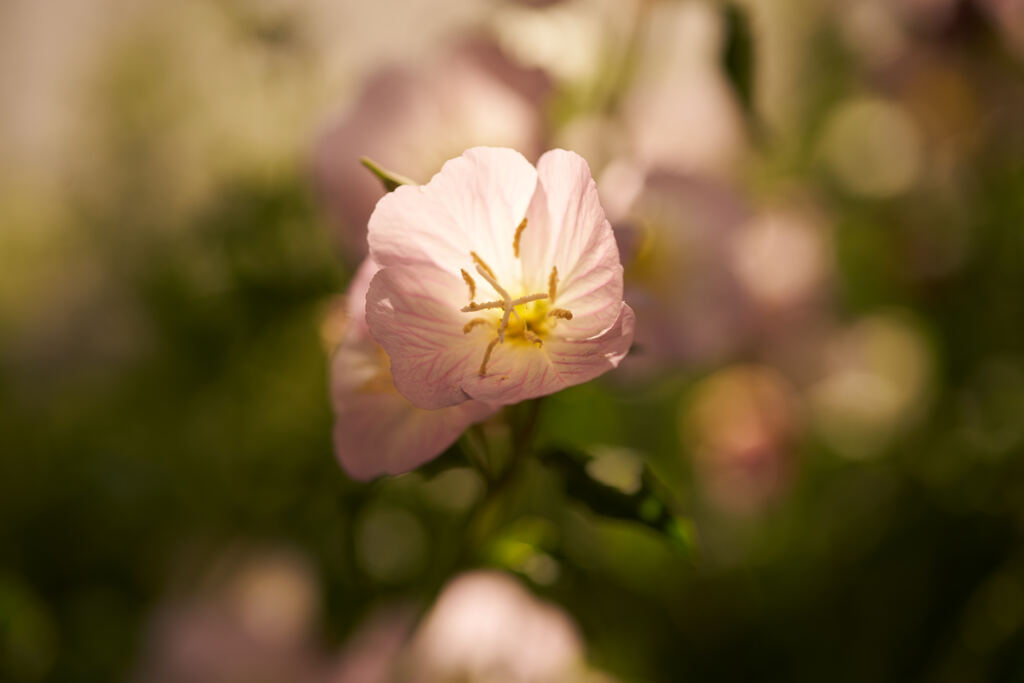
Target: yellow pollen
{"points": [[471, 282], [529, 326], [480, 263], [473, 323], [515, 240], [487, 356]]}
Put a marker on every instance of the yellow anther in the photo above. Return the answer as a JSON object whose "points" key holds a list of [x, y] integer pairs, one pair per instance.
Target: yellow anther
{"points": [[515, 240], [473, 323], [487, 356], [480, 263], [552, 284], [531, 337], [471, 282], [560, 313]]}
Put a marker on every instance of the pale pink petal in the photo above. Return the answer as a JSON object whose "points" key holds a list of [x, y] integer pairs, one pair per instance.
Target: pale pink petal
{"points": [[567, 229], [475, 203], [355, 300], [517, 372], [376, 430], [413, 312]]}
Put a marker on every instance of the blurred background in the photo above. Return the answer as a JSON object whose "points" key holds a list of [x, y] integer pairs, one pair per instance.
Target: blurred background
{"points": [[810, 467]]}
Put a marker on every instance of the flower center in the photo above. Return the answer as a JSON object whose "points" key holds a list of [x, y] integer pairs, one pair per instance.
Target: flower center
{"points": [[525, 319]]}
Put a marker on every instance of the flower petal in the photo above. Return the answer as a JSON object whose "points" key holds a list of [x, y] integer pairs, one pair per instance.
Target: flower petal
{"points": [[518, 372], [475, 203], [376, 430], [567, 229], [412, 312], [355, 300]]}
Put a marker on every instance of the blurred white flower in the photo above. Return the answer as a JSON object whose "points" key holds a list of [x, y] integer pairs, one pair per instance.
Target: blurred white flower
{"points": [[681, 112], [249, 619], [486, 628], [571, 40], [780, 258], [690, 305]]}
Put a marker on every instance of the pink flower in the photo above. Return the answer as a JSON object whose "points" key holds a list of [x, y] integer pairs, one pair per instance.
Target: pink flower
{"points": [[485, 626], [414, 117], [499, 282], [376, 430]]}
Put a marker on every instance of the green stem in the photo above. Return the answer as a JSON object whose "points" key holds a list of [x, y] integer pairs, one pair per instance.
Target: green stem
{"points": [[486, 514], [522, 435], [475, 447]]}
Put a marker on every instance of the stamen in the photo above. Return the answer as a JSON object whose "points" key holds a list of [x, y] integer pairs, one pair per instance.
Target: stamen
{"points": [[552, 284], [471, 282], [481, 264], [530, 336], [507, 304], [473, 307], [487, 356], [560, 313], [515, 240], [473, 323]]}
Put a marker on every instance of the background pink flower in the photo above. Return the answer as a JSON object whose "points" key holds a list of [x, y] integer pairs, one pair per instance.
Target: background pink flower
{"points": [[376, 430], [414, 118]]}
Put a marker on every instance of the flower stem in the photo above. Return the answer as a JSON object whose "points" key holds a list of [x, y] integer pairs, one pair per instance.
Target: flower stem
{"points": [[486, 514], [478, 453]]}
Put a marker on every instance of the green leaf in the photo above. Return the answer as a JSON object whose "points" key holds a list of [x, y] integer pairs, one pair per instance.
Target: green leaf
{"points": [[645, 505], [738, 54], [389, 179]]}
